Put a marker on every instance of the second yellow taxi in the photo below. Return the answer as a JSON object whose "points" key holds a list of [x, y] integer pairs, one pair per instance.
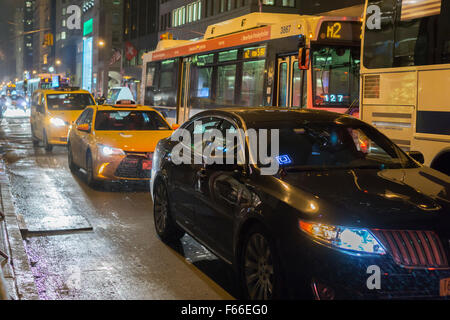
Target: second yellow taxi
{"points": [[52, 112], [116, 142]]}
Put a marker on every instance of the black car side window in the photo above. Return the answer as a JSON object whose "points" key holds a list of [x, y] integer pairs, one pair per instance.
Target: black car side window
{"points": [[206, 125], [200, 127]]}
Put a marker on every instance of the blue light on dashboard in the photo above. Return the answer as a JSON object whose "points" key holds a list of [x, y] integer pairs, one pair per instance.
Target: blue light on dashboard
{"points": [[284, 160]]}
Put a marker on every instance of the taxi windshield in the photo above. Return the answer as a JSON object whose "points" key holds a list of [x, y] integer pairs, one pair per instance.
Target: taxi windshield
{"points": [[69, 101], [125, 120]]}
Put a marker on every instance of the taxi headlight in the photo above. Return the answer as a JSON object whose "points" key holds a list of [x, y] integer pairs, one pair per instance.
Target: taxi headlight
{"points": [[57, 122], [350, 240], [109, 151]]}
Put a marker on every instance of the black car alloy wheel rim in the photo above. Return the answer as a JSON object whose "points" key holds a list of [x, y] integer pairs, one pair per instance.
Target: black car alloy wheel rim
{"points": [[161, 208], [258, 268]]}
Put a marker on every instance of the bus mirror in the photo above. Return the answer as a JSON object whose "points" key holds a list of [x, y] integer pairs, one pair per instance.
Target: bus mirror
{"points": [[303, 58]]}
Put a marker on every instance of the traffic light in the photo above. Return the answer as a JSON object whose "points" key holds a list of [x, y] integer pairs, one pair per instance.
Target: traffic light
{"points": [[48, 39]]}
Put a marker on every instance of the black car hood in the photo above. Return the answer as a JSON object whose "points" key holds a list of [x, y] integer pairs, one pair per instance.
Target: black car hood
{"points": [[390, 198]]}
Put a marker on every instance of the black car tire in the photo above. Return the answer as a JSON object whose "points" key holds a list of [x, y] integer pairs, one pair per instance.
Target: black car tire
{"points": [[166, 228], [72, 166], [260, 272], [48, 147]]}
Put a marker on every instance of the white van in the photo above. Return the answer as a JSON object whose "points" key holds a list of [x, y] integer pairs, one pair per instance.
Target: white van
{"points": [[119, 93]]}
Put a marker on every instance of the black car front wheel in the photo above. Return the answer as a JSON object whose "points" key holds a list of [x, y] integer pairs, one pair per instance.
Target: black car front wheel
{"points": [[165, 227], [260, 272]]}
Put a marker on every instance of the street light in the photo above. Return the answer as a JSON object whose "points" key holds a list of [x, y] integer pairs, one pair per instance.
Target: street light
{"points": [[58, 62], [101, 43]]}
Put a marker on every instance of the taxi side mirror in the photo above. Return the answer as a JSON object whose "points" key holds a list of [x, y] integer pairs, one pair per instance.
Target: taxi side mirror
{"points": [[175, 126], [83, 127]]}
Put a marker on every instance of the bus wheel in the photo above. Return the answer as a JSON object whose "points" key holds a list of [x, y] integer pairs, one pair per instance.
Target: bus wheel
{"points": [[442, 163]]}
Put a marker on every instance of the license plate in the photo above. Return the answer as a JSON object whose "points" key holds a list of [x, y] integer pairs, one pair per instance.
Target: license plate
{"points": [[147, 165], [445, 287]]}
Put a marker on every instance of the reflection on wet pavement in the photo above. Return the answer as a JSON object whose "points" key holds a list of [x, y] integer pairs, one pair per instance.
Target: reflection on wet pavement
{"points": [[120, 257]]}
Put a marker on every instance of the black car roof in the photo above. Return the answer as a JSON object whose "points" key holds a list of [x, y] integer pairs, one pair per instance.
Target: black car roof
{"points": [[273, 114]]}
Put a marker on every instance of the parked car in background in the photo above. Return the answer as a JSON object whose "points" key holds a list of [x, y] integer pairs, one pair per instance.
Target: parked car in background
{"points": [[344, 202]]}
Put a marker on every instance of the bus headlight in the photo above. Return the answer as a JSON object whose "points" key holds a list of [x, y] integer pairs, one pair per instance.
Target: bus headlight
{"points": [[57, 122], [350, 240]]}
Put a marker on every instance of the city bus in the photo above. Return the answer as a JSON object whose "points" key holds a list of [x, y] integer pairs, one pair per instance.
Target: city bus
{"points": [[405, 74], [260, 59]]}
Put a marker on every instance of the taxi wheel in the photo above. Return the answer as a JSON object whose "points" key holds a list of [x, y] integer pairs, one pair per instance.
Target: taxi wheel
{"points": [[90, 172], [48, 147], [166, 228], [35, 142], [72, 166], [33, 138]]}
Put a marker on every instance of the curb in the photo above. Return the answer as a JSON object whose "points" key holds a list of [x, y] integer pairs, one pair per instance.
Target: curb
{"points": [[20, 279]]}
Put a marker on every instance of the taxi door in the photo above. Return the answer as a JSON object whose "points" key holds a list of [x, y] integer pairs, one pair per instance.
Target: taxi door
{"points": [[79, 139], [39, 119]]}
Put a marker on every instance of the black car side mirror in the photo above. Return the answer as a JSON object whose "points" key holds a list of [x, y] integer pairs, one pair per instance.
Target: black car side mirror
{"points": [[417, 155]]}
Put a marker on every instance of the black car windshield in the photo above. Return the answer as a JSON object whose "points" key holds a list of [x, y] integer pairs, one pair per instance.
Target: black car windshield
{"points": [[69, 101], [332, 145], [125, 120]]}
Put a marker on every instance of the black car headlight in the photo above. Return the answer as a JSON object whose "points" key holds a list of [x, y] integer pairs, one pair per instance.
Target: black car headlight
{"points": [[348, 239]]}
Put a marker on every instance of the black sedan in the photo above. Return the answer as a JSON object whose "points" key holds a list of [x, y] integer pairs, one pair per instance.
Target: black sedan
{"points": [[345, 215]]}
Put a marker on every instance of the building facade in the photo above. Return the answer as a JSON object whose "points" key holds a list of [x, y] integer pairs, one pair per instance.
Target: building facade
{"points": [[140, 35], [102, 25], [19, 43], [43, 37], [28, 28], [66, 42]]}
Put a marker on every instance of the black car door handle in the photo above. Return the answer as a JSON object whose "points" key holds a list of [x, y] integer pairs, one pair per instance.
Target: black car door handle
{"points": [[201, 173]]}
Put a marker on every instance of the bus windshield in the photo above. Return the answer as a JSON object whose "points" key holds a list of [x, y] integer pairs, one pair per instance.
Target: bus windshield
{"points": [[335, 75]]}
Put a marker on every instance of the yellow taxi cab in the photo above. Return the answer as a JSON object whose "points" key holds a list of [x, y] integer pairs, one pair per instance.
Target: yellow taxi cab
{"points": [[116, 142], [53, 111]]}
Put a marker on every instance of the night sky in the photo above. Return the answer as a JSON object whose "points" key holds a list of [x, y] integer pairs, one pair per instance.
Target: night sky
{"points": [[7, 61]]}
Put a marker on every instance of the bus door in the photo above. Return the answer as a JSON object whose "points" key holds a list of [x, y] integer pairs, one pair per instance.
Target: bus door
{"points": [[184, 108], [292, 90]]}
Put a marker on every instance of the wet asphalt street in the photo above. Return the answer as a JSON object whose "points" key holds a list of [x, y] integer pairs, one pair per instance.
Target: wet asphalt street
{"points": [[99, 244]]}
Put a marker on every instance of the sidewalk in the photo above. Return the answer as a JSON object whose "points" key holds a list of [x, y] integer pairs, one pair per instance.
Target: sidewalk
{"points": [[18, 277]]}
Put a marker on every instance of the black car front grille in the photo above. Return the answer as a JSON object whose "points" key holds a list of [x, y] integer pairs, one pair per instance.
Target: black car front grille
{"points": [[414, 249], [131, 167]]}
